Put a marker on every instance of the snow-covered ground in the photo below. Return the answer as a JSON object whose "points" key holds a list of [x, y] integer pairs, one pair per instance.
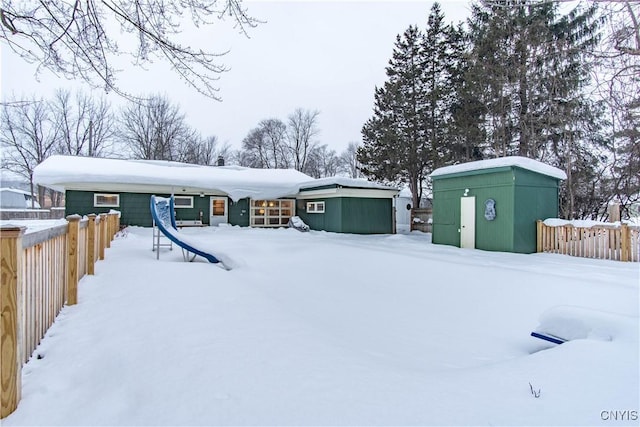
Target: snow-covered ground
{"points": [[327, 329]]}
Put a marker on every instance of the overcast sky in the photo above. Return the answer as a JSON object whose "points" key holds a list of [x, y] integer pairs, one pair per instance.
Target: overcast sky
{"points": [[323, 55]]}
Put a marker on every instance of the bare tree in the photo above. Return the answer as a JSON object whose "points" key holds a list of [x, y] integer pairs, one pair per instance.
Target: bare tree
{"points": [[275, 138], [77, 39], [27, 136], [322, 162], [265, 146], [86, 124], [302, 129], [349, 161], [204, 151], [156, 130]]}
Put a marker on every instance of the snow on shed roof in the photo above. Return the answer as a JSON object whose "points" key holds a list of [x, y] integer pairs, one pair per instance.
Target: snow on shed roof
{"points": [[345, 182], [521, 162], [73, 172]]}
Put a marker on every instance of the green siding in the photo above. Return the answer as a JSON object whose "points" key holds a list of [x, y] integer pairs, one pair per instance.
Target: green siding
{"points": [[330, 220], [521, 196], [134, 207], [239, 212], [356, 215], [342, 214], [367, 216], [200, 210], [536, 197], [496, 235]]}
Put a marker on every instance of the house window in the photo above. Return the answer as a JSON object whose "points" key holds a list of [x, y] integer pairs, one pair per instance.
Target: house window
{"points": [[182, 202], [315, 207], [103, 200], [271, 213]]}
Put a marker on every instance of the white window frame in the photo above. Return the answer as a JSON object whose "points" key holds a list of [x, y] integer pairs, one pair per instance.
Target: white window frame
{"points": [[269, 213], [190, 206], [106, 205], [315, 207]]}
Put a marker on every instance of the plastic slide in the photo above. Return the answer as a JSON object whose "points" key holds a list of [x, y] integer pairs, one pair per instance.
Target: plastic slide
{"points": [[163, 215]]}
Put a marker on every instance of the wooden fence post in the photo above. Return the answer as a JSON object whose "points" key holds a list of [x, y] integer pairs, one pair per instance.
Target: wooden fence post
{"points": [[72, 259], [108, 227], [10, 357], [113, 218], [91, 244], [103, 234], [625, 243], [539, 246]]}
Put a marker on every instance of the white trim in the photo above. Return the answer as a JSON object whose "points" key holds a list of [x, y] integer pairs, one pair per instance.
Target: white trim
{"points": [[269, 207], [218, 219], [315, 207], [366, 193], [177, 206], [106, 205]]}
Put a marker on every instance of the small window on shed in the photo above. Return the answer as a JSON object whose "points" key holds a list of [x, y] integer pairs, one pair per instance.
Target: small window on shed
{"points": [[183, 202], [315, 207], [106, 200]]}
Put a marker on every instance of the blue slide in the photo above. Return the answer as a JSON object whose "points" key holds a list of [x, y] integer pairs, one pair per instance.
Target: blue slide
{"points": [[163, 215]]}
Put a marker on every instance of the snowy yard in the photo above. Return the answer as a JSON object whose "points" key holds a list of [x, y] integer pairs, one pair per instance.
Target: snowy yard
{"points": [[327, 329]]}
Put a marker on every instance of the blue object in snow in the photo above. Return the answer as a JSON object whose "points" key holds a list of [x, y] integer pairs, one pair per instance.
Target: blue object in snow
{"points": [[548, 337], [163, 215]]}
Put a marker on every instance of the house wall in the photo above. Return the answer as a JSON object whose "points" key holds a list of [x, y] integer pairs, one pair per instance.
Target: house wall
{"points": [[134, 207], [358, 215], [330, 220], [367, 216], [239, 212]]}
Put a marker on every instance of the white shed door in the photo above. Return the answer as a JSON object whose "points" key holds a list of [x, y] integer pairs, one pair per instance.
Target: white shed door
{"points": [[468, 222]]}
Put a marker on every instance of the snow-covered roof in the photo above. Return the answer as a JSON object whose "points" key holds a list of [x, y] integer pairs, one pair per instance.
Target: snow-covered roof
{"points": [[521, 162], [345, 182], [99, 174]]}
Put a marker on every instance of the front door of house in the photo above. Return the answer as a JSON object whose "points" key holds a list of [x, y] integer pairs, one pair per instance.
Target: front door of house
{"points": [[218, 213], [468, 222]]}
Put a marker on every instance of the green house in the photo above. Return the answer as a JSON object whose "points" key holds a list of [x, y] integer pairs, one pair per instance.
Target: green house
{"points": [[213, 195], [494, 204]]}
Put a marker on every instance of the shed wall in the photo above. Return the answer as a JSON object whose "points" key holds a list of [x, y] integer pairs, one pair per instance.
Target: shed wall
{"points": [[496, 235], [522, 197], [536, 197]]}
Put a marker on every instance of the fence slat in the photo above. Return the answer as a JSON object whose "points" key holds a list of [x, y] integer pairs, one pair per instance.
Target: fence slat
{"points": [[606, 241]]}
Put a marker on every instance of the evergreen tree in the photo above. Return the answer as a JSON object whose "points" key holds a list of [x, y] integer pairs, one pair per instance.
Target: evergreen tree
{"points": [[407, 136], [466, 133], [530, 72], [395, 144]]}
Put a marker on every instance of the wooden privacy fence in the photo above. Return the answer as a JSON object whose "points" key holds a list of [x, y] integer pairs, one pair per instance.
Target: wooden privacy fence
{"points": [[40, 273], [615, 242], [421, 219]]}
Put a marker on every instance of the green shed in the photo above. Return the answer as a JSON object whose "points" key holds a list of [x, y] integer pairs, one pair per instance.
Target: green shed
{"points": [[494, 204], [346, 205]]}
